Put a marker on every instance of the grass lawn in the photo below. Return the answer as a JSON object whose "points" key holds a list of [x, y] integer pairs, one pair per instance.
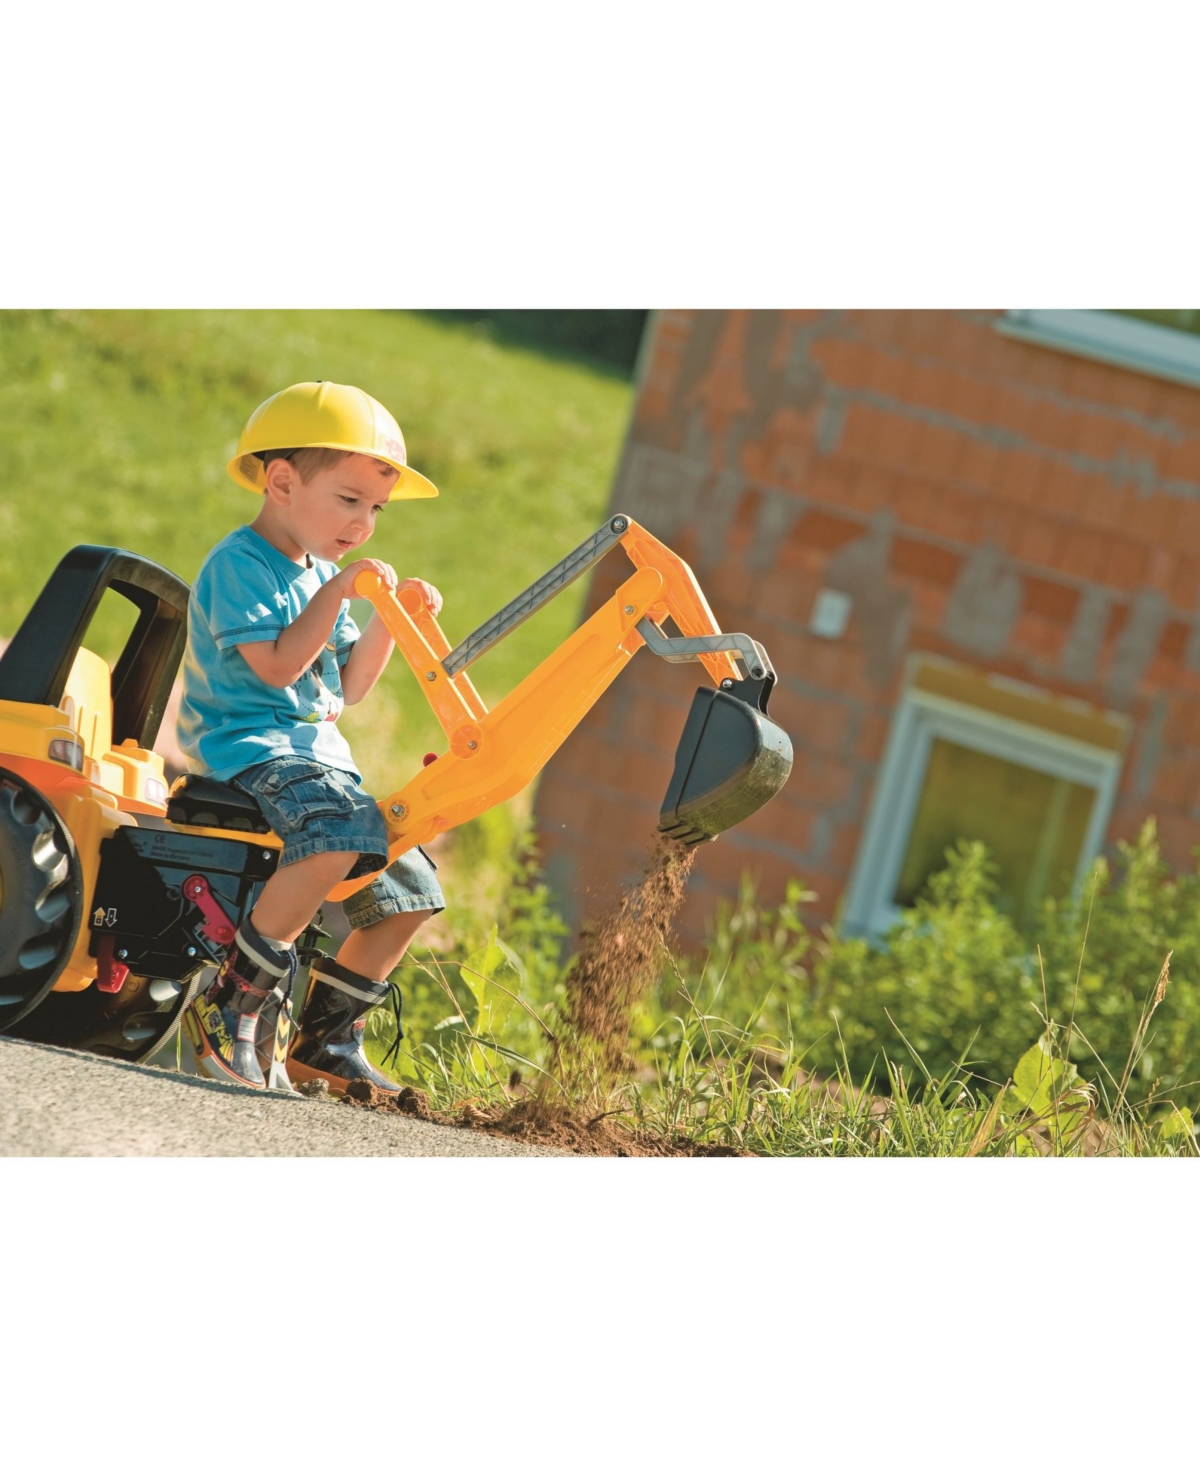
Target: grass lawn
{"points": [[115, 427]]}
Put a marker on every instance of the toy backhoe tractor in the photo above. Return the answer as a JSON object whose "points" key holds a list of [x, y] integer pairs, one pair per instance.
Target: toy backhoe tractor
{"points": [[116, 895]]}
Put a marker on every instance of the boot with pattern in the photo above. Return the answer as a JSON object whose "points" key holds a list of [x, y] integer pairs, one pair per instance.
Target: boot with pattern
{"points": [[275, 1027], [222, 1023], [329, 1041]]}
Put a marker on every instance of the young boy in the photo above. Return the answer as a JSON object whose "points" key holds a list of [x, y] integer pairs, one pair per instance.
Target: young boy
{"points": [[272, 656]]}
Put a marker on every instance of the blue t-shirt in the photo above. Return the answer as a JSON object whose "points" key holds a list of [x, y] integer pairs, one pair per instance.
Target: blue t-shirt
{"points": [[229, 718]]}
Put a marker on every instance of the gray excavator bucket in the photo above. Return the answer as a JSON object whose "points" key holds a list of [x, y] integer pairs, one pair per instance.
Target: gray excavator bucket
{"points": [[731, 759]]}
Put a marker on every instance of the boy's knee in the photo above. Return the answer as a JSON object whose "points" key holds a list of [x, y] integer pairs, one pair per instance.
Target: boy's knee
{"points": [[403, 921], [394, 932]]}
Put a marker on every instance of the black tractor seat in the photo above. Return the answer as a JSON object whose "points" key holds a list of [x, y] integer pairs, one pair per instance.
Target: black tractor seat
{"points": [[197, 800]]}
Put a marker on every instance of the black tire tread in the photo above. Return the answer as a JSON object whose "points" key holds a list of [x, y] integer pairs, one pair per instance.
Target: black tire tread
{"points": [[41, 897]]}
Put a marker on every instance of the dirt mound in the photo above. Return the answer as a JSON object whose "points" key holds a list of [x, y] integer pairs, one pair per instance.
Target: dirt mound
{"points": [[542, 1123], [536, 1122], [315, 1089], [621, 952], [406, 1102]]}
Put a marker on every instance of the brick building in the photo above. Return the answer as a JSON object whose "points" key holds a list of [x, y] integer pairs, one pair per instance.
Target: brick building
{"points": [[970, 542]]}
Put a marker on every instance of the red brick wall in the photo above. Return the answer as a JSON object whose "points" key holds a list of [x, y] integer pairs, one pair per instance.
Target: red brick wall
{"points": [[1012, 507]]}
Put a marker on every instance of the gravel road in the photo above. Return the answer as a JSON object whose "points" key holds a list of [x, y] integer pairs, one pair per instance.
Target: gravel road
{"points": [[57, 1103]]}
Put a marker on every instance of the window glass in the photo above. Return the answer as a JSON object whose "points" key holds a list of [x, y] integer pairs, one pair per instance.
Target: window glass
{"points": [[1033, 824]]}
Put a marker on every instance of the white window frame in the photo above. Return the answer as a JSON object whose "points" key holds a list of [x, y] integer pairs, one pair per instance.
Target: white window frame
{"points": [[922, 717], [1104, 336]]}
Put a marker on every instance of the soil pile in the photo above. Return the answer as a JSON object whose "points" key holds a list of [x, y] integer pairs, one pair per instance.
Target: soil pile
{"points": [[621, 952], [406, 1102], [542, 1123], [536, 1122]]}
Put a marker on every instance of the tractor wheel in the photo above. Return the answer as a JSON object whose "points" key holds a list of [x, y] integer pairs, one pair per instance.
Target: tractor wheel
{"points": [[41, 897], [130, 1024]]}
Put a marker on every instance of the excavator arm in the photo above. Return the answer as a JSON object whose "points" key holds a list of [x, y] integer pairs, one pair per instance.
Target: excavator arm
{"points": [[731, 758]]}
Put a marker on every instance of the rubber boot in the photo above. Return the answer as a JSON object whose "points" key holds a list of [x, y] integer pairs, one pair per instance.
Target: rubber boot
{"points": [[329, 1042], [274, 1035], [222, 1023]]}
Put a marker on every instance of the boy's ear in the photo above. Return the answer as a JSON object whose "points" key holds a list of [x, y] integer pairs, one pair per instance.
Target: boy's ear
{"points": [[281, 479]]}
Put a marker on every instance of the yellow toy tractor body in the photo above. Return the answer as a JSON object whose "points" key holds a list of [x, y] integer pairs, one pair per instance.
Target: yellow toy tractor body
{"points": [[116, 894]]}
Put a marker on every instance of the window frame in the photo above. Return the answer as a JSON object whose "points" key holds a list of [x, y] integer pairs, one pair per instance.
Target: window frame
{"points": [[920, 718], [1104, 336]]}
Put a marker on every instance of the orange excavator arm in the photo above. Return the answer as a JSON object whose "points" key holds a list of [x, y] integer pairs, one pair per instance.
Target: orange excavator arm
{"points": [[733, 754]]}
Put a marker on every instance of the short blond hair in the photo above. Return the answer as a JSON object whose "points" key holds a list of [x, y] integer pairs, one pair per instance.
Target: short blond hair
{"points": [[310, 461]]}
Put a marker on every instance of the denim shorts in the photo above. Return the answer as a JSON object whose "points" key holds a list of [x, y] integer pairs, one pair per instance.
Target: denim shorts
{"points": [[314, 808]]}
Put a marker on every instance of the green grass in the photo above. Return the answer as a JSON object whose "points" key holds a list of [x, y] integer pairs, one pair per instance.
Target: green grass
{"points": [[714, 1083], [729, 1050], [115, 427]]}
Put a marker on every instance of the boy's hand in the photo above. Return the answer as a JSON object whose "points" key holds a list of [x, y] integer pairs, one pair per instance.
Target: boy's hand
{"points": [[431, 596], [345, 578]]}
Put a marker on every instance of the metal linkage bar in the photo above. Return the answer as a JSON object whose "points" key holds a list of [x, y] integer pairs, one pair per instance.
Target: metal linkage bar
{"points": [[689, 649], [544, 589]]}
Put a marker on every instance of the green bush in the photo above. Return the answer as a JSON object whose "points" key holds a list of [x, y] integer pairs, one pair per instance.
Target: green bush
{"points": [[953, 978], [1103, 954], [956, 981]]}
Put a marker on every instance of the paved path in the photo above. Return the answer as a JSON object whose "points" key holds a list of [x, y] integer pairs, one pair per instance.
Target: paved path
{"points": [[54, 1102]]}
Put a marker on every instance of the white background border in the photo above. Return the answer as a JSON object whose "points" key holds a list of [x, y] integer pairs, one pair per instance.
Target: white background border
{"points": [[868, 155]]}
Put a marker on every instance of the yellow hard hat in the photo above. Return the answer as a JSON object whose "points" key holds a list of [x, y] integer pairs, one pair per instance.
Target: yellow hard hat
{"points": [[325, 415]]}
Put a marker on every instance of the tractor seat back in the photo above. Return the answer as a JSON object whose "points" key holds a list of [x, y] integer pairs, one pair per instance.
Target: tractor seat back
{"points": [[87, 702], [197, 800]]}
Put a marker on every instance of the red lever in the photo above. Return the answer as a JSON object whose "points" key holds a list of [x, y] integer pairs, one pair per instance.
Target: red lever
{"points": [[110, 974], [216, 924]]}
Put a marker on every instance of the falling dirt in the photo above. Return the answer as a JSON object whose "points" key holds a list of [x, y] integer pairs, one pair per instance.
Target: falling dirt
{"points": [[620, 955], [621, 952]]}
